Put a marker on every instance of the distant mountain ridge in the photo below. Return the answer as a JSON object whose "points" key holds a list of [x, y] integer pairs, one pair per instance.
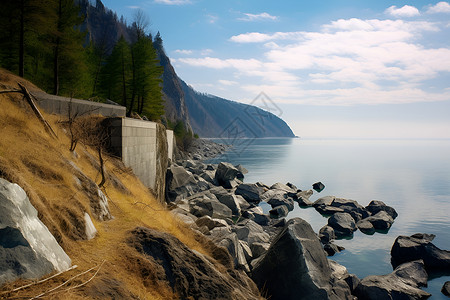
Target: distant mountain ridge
{"points": [[212, 116], [206, 115]]}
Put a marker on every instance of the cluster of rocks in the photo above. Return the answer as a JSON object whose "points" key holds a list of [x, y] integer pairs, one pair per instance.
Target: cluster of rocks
{"points": [[278, 254], [201, 149]]}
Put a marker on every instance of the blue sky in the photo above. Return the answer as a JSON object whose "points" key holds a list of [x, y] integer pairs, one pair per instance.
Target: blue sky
{"points": [[335, 68]]}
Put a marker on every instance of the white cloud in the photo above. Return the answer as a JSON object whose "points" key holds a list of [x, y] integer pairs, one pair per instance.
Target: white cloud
{"points": [[173, 2], [206, 52], [134, 7], [211, 19], [405, 11], [228, 82], [183, 51], [348, 62], [441, 7], [258, 17]]}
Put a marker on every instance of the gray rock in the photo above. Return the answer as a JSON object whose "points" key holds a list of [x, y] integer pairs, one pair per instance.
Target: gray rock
{"points": [[283, 187], [231, 201], [208, 175], [318, 186], [295, 262], [280, 211], [247, 251], [250, 232], [366, 227], [232, 244], [326, 234], [400, 284], [327, 200], [242, 172], [331, 249], [250, 191], [27, 248], [181, 184], [179, 177], [343, 224], [446, 289], [259, 249], [255, 214], [419, 246], [208, 205], [381, 220], [100, 207], [243, 204], [225, 174], [328, 209], [376, 206], [303, 198], [279, 199], [210, 222]]}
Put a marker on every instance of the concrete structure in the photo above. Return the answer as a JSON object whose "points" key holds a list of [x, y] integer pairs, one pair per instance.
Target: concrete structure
{"points": [[145, 147], [60, 105]]}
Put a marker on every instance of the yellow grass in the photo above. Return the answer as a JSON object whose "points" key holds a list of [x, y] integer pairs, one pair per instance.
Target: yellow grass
{"points": [[38, 163]]}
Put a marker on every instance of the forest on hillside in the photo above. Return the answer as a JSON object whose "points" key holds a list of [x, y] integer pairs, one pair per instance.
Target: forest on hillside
{"points": [[50, 43]]}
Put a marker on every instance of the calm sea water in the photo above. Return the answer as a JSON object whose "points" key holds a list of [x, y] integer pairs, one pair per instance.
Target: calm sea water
{"points": [[413, 176]]}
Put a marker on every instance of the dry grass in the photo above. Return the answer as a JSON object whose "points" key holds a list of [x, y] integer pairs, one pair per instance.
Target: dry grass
{"points": [[40, 165]]}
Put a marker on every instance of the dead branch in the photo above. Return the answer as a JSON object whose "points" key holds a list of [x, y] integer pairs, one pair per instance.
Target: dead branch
{"points": [[84, 283], [36, 111], [66, 282], [10, 91], [39, 282]]}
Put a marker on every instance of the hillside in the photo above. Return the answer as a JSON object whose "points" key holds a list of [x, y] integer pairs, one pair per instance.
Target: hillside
{"points": [[62, 185]]}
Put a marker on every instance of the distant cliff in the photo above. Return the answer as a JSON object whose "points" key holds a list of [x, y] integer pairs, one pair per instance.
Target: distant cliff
{"points": [[211, 116]]}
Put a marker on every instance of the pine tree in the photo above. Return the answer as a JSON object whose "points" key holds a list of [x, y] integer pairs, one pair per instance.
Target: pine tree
{"points": [[68, 62], [116, 74]]}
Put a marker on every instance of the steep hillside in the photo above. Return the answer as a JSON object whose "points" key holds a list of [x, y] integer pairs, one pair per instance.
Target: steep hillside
{"points": [[212, 116], [62, 186]]}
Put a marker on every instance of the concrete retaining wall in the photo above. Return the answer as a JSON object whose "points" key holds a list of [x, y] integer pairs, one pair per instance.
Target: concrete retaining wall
{"points": [[138, 143], [60, 105]]}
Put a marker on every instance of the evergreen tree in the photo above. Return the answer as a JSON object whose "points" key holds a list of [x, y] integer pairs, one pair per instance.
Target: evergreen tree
{"points": [[116, 74], [68, 63]]}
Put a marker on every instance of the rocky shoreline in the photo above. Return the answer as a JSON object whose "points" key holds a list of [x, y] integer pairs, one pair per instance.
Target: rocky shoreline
{"points": [[286, 258]]}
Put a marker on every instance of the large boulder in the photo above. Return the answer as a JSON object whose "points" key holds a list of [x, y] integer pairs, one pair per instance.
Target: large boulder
{"points": [[281, 199], [226, 173], [27, 248], [229, 199], [208, 205], [376, 206], [381, 220], [327, 200], [283, 187], [419, 246], [343, 224], [181, 184], [250, 191], [303, 198], [251, 232], [188, 273], [401, 284], [295, 266]]}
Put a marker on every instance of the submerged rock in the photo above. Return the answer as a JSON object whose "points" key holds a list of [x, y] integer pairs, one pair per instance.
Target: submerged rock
{"points": [[343, 224], [401, 284]]}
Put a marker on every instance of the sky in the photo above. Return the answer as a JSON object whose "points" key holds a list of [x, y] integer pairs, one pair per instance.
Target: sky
{"points": [[332, 68]]}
